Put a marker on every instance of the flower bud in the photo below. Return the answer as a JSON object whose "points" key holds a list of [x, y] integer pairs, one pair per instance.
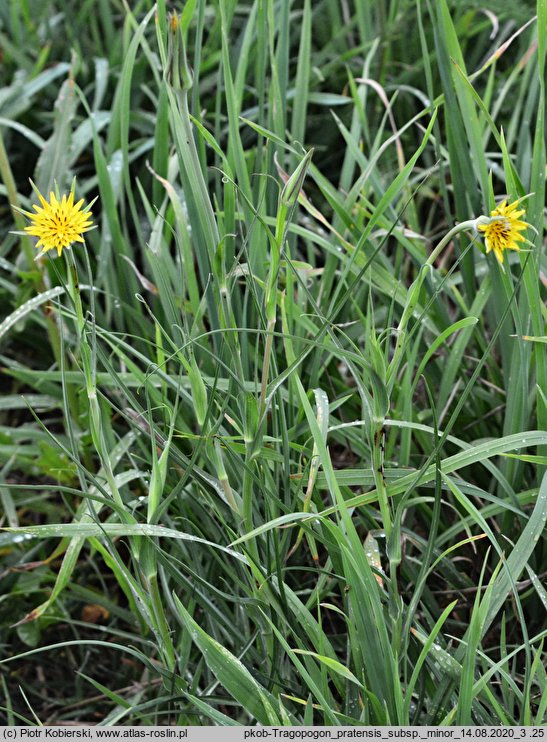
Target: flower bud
{"points": [[178, 72]]}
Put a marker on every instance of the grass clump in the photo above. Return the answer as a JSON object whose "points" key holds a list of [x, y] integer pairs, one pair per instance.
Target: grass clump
{"points": [[273, 440]]}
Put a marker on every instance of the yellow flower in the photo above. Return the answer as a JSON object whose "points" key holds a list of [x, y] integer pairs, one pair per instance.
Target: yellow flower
{"points": [[502, 232], [58, 222]]}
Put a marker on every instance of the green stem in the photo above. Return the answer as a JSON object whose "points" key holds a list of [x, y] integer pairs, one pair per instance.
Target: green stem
{"points": [[13, 198], [380, 482], [462, 226], [162, 627], [266, 366], [413, 296], [89, 373], [394, 366]]}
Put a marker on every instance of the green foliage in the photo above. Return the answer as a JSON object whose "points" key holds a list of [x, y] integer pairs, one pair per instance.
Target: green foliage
{"points": [[261, 460]]}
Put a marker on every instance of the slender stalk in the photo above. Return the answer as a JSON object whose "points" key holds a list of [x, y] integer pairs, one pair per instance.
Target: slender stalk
{"points": [[414, 294], [394, 366], [379, 480], [266, 365], [26, 244], [162, 627], [461, 227], [89, 373]]}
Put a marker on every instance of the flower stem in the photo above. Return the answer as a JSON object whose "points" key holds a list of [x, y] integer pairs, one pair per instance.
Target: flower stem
{"points": [[7, 176], [414, 295], [461, 227], [95, 425]]}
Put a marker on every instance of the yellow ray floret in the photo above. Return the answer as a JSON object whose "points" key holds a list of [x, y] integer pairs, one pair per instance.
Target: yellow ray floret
{"points": [[58, 222], [503, 231]]}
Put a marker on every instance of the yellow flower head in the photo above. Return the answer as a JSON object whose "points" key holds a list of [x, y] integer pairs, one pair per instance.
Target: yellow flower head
{"points": [[58, 222], [503, 231]]}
